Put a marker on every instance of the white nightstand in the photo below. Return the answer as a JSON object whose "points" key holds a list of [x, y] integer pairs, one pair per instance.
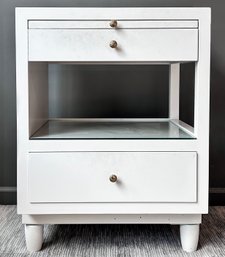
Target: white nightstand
{"points": [[111, 170]]}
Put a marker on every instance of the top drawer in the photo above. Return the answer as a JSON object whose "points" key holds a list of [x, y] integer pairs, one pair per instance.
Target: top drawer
{"points": [[129, 41]]}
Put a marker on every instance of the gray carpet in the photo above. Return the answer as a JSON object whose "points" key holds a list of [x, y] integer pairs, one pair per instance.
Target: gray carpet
{"points": [[111, 240]]}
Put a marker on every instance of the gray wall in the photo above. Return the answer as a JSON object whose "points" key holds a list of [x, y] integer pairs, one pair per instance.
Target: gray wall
{"points": [[8, 88]]}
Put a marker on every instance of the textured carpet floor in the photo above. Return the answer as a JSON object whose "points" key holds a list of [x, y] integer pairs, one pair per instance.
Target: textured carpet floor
{"points": [[111, 240]]}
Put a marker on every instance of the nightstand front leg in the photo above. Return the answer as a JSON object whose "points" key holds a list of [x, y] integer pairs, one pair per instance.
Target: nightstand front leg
{"points": [[34, 237], [189, 235]]}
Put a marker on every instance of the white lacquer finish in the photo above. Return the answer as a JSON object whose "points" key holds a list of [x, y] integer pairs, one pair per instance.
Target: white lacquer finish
{"points": [[105, 24], [174, 91], [38, 95], [142, 177], [92, 45], [165, 178], [189, 235], [34, 237], [172, 219]]}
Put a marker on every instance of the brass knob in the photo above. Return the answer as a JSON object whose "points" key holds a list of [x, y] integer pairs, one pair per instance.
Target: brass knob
{"points": [[113, 44], [113, 178], [113, 23]]}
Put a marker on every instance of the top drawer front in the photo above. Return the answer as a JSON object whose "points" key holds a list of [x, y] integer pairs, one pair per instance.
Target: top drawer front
{"points": [[138, 41]]}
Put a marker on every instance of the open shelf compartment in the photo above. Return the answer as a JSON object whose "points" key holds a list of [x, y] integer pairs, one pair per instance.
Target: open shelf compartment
{"points": [[81, 102]]}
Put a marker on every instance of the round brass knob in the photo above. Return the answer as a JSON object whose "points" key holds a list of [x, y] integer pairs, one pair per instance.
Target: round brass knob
{"points": [[113, 44], [113, 178], [113, 23]]}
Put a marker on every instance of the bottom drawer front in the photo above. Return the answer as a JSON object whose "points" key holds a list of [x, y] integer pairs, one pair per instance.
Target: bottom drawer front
{"points": [[85, 177]]}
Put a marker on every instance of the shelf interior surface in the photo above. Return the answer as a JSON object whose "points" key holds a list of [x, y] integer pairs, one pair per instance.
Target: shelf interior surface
{"points": [[106, 129]]}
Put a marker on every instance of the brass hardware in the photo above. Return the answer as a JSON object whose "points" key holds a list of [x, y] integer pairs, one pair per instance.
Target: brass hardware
{"points": [[113, 23], [113, 178], [113, 44]]}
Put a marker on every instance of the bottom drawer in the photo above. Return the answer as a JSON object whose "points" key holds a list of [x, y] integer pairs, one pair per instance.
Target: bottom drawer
{"points": [[85, 177]]}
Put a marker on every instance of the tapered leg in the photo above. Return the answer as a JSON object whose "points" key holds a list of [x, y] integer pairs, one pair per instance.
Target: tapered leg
{"points": [[189, 235], [34, 237]]}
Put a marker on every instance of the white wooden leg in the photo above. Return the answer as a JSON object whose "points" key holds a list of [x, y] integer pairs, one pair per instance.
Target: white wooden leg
{"points": [[34, 237], [189, 235]]}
